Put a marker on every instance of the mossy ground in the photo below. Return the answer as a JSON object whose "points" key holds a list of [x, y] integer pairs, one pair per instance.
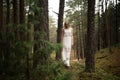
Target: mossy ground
{"points": [[107, 66]]}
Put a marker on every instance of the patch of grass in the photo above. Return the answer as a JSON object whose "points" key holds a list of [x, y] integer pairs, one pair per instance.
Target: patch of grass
{"points": [[109, 62], [98, 75]]}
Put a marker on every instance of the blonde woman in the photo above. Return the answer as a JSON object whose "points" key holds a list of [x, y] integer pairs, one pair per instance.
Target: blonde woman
{"points": [[67, 41]]}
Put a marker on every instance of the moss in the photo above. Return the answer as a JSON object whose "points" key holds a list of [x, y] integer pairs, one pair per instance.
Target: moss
{"points": [[109, 62], [98, 75]]}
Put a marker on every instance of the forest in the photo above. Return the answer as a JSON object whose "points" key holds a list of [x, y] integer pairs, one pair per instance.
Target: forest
{"points": [[30, 42]]}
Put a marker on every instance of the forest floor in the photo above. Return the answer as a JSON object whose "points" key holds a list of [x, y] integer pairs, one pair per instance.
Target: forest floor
{"points": [[107, 66]]}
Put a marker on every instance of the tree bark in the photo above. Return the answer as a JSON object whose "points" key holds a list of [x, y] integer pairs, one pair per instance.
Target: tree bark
{"points": [[43, 29], [90, 47], [116, 26], [1, 27], [22, 18], [22, 11], [99, 29], [60, 26], [15, 19], [8, 11], [103, 30], [15, 12], [107, 27]]}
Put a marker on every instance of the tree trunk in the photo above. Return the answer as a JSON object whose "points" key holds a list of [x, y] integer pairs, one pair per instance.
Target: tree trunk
{"points": [[23, 35], [103, 30], [15, 12], [43, 29], [107, 27], [1, 27], [8, 11], [84, 22], [47, 21], [77, 40], [15, 19], [90, 47], [22, 18], [83, 39], [80, 46], [22, 11], [60, 26], [99, 29], [116, 26]]}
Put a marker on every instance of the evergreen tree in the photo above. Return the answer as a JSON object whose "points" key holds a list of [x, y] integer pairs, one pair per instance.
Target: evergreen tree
{"points": [[90, 45], [60, 26]]}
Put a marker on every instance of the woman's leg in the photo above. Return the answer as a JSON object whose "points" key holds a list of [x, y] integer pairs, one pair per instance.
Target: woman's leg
{"points": [[68, 57], [64, 55]]}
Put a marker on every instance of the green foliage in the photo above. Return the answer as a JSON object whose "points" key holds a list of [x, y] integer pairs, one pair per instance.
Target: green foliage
{"points": [[109, 62], [51, 71], [98, 75], [76, 12], [15, 67], [19, 55], [74, 4], [15, 51], [47, 69]]}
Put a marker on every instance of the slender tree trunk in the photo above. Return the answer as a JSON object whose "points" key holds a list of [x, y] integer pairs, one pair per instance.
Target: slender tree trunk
{"points": [[99, 32], [108, 27], [90, 48], [83, 39], [47, 21], [82, 30], [80, 46], [84, 24], [15, 12], [1, 27], [116, 26], [7, 41], [22, 18], [77, 40], [103, 30], [99, 37], [60, 26], [22, 11], [15, 19], [8, 11]]}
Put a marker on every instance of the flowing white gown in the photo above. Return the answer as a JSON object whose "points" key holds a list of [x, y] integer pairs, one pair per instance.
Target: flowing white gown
{"points": [[67, 43]]}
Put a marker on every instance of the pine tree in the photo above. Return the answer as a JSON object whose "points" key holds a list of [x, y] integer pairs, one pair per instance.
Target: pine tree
{"points": [[90, 47], [60, 26]]}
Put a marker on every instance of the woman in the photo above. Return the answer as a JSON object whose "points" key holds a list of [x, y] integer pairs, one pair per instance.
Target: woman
{"points": [[67, 41]]}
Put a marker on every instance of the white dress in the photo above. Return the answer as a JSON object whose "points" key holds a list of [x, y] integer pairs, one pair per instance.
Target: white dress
{"points": [[67, 43]]}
